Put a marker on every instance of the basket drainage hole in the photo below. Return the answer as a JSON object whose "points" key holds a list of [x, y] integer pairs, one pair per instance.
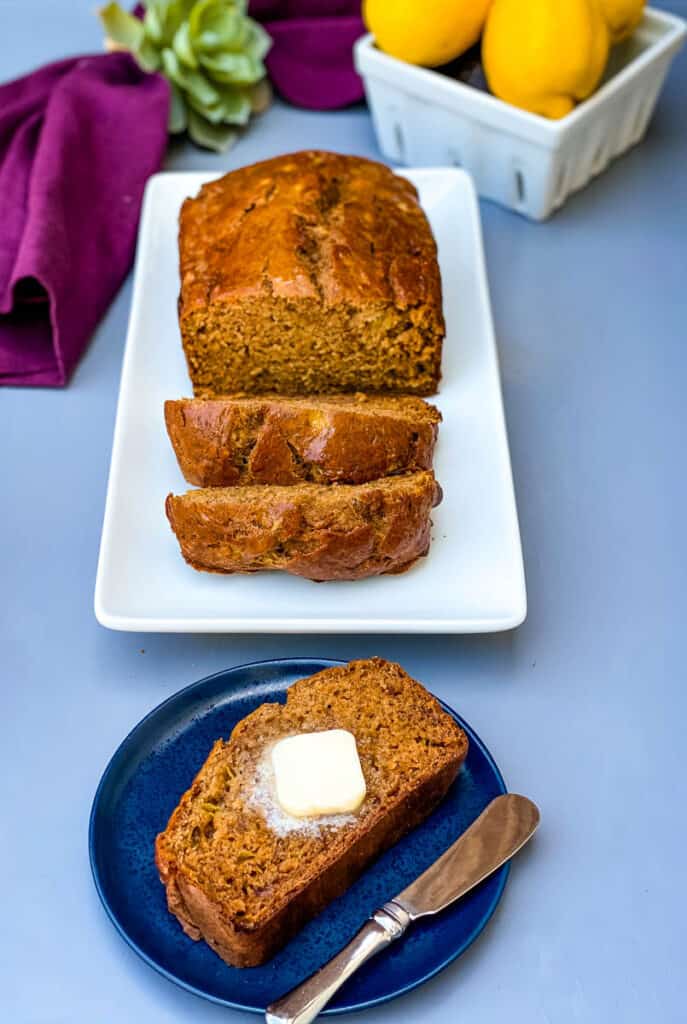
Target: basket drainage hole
{"points": [[400, 142], [520, 190], [643, 114]]}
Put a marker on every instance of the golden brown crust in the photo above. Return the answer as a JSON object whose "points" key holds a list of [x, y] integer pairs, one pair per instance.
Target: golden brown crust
{"points": [[246, 234], [320, 531], [410, 751], [350, 439], [310, 272]]}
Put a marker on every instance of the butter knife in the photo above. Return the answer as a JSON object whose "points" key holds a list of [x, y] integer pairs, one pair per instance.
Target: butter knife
{"points": [[492, 839]]}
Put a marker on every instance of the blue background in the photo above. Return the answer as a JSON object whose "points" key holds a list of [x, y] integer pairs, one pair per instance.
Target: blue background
{"points": [[583, 707]]}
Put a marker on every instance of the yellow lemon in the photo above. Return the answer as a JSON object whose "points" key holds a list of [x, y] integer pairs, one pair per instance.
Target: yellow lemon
{"points": [[544, 55], [422, 33], [621, 16]]}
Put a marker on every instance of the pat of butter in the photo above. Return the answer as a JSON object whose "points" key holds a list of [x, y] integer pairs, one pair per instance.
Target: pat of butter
{"points": [[318, 773]]}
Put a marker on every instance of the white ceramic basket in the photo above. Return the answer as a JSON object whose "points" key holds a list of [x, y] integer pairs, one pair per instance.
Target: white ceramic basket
{"points": [[521, 160]]}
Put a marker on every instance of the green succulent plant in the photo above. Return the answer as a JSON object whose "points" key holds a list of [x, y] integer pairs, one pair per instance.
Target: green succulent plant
{"points": [[211, 53]]}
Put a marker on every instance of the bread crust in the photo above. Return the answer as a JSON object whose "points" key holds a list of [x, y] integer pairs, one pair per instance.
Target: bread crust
{"points": [[307, 273], [319, 531], [238, 440], [346, 855]]}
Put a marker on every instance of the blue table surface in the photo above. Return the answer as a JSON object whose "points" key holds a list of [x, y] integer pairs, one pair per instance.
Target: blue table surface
{"points": [[583, 706]]}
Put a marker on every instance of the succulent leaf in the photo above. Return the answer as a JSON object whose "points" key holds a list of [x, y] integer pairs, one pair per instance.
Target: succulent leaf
{"points": [[232, 107], [237, 105], [152, 24], [178, 118], [233, 68], [148, 56], [258, 43], [218, 137], [217, 25], [260, 96], [182, 46], [164, 17], [121, 27], [210, 52], [194, 83]]}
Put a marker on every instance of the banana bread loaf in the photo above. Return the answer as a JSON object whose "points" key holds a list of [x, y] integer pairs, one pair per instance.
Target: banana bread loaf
{"points": [[244, 876], [331, 439], [311, 272], [320, 531]]}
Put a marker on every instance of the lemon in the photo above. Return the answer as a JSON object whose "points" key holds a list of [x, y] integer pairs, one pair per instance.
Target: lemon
{"points": [[422, 33], [621, 16], [544, 55]]}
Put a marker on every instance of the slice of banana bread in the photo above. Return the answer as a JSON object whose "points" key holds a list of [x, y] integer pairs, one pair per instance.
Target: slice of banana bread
{"points": [[310, 272], [244, 876], [349, 439], [320, 531]]}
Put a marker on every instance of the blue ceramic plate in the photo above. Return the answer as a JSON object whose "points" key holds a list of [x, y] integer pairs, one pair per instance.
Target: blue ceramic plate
{"points": [[139, 790]]}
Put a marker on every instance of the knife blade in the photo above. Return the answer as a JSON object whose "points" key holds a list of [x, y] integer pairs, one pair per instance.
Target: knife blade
{"points": [[494, 837]]}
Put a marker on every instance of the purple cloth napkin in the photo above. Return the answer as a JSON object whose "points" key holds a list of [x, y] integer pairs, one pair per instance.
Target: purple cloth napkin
{"points": [[78, 140], [311, 61]]}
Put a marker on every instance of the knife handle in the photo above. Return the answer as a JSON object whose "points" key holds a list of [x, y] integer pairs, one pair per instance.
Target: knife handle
{"points": [[303, 1003]]}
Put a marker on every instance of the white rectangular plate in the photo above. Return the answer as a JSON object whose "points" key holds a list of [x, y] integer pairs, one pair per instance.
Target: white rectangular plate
{"points": [[472, 580]]}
